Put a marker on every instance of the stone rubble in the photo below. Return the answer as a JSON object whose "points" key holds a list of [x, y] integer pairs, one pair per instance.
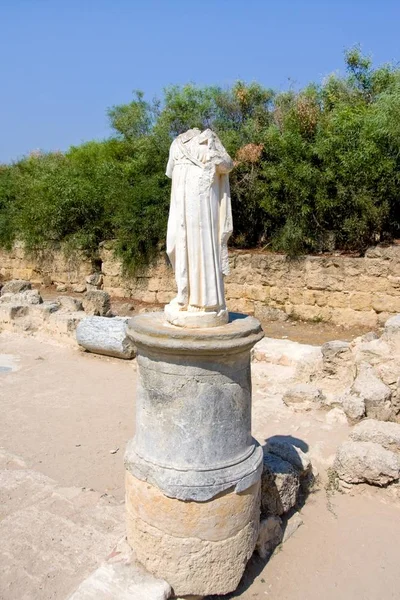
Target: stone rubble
{"points": [[15, 286], [366, 462], [286, 480], [97, 303], [119, 581], [380, 432]]}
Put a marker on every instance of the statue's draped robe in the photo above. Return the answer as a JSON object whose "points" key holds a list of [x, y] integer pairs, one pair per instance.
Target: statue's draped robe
{"points": [[200, 218]]}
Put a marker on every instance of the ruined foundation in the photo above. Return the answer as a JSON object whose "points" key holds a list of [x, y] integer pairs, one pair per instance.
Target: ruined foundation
{"points": [[193, 469]]}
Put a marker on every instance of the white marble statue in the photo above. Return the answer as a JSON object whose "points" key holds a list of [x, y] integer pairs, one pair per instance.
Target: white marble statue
{"points": [[199, 226]]}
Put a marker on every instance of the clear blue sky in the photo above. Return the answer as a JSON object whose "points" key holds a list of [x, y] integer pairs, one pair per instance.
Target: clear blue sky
{"points": [[63, 62]]}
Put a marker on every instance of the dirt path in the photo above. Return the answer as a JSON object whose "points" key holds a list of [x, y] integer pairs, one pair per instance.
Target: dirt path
{"points": [[64, 413]]}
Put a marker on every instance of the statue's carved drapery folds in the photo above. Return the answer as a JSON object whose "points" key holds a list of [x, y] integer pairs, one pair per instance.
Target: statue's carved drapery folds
{"points": [[199, 226]]}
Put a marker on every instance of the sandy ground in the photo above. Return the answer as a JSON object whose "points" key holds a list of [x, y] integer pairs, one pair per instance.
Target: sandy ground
{"points": [[65, 419]]}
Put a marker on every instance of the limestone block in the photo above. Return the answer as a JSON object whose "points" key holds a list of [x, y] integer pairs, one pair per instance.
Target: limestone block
{"points": [[279, 294], [146, 296], [338, 299], [215, 520], [79, 288], [321, 298], [22, 298], [150, 284], [167, 283], [385, 303], [303, 396], [120, 581], [234, 291], [296, 296], [285, 352], [105, 335], [11, 312], [337, 359], [280, 484], [15, 286], [257, 292], [198, 547], [309, 297], [95, 280], [366, 462], [97, 302], [241, 305], [270, 535], [353, 406], [383, 317], [336, 416], [353, 267], [373, 391], [266, 313], [321, 281], [360, 300], [347, 317], [367, 283], [392, 329], [69, 304], [380, 432], [112, 268], [64, 324], [307, 312], [373, 352], [165, 297]]}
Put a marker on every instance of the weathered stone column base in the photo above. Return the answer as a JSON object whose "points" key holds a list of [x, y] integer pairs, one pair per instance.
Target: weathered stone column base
{"points": [[200, 548]]}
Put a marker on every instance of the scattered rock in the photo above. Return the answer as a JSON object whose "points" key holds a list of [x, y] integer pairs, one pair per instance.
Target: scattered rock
{"points": [[280, 484], [22, 298], [103, 335], [291, 526], [15, 286], [336, 356], [95, 280], [61, 287], [374, 392], [392, 327], [381, 432], [69, 303], [336, 416], [79, 288], [270, 536], [289, 452], [303, 396], [353, 406], [97, 302], [125, 309], [268, 313], [123, 581], [366, 462]]}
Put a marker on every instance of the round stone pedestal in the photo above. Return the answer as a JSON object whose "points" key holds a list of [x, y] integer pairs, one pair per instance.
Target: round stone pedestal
{"points": [[198, 547], [193, 468]]}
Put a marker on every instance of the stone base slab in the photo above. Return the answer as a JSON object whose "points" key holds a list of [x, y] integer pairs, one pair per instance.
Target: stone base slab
{"points": [[195, 319], [198, 547]]}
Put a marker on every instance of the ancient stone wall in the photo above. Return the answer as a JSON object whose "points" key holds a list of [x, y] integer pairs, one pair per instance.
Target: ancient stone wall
{"points": [[341, 289], [44, 268]]}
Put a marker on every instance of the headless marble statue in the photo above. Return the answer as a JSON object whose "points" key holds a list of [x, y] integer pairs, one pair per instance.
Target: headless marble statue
{"points": [[199, 226]]}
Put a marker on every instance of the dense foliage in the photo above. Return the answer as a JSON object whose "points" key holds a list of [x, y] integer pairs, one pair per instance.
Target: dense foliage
{"points": [[315, 169]]}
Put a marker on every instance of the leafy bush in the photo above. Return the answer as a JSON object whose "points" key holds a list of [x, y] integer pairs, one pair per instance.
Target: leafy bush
{"points": [[315, 169]]}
